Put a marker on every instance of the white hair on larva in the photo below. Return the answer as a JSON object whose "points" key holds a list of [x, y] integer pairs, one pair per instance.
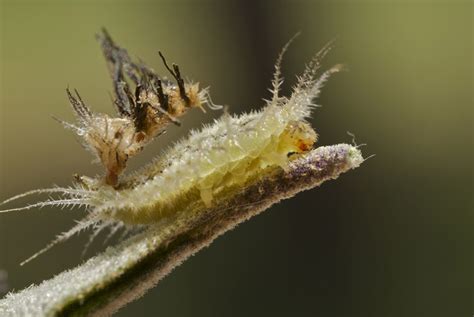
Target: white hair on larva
{"points": [[221, 156]]}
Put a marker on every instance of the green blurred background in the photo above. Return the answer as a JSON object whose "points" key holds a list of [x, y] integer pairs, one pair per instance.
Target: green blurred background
{"points": [[392, 238]]}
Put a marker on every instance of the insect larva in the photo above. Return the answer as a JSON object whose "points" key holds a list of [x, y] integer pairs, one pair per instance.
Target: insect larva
{"points": [[209, 162]]}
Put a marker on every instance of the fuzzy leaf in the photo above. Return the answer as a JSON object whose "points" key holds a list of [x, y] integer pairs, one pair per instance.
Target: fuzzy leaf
{"points": [[123, 273]]}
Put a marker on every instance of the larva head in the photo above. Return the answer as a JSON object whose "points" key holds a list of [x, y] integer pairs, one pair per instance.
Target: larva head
{"points": [[298, 137]]}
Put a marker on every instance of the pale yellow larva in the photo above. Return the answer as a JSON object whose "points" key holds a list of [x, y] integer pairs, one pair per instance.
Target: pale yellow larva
{"points": [[221, 156]]}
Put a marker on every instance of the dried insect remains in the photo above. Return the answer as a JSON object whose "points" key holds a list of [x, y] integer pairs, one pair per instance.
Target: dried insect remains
{"points": [[143, 114]]}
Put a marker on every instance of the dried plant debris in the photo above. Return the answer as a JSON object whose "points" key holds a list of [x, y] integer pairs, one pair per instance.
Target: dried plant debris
{"points": [[200, 187], [144, 110]]}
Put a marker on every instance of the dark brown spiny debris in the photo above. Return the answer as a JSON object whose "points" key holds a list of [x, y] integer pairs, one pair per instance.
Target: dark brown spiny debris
{"points": [[162, 98], [177, 75], [81, 110]]}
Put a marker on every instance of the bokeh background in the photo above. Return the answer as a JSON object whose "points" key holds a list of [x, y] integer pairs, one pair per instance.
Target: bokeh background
{"points": [[392, 238]]}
